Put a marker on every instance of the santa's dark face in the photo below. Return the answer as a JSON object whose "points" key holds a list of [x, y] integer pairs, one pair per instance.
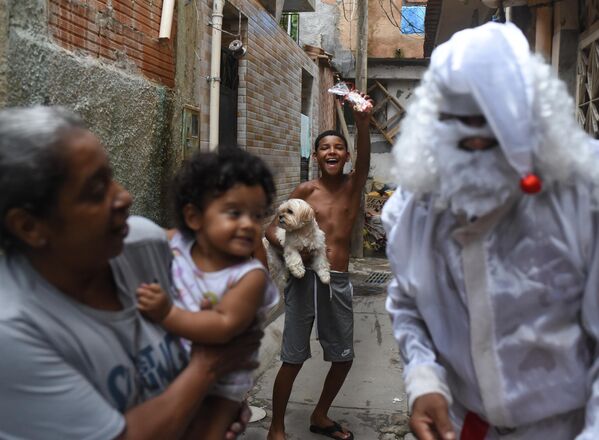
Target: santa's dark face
{"points": [[474, 175], [473, 143]]}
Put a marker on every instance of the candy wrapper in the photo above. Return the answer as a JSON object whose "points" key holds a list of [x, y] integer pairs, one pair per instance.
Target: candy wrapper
{"points": [[359, 103]]}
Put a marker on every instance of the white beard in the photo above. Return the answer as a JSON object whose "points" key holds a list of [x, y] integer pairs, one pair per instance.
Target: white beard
{"points": [[471, 183]]}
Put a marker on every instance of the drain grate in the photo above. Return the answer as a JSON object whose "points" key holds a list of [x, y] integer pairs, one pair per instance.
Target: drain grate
{"points": [[378, 278]]}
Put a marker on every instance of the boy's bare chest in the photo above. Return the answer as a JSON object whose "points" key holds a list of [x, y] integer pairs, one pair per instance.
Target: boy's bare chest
{"points": [[332, 208]]}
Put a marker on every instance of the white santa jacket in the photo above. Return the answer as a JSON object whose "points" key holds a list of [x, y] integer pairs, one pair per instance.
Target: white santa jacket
{"points": [[501, 315]]}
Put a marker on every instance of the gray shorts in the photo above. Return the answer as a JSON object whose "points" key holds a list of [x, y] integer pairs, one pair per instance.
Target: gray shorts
{"points": [[333, 313]]}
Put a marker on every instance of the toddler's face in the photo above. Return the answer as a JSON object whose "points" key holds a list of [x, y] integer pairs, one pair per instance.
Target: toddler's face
{"points": [[231, 224]]}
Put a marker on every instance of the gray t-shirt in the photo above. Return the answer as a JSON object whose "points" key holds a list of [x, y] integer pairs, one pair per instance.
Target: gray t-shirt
{"points": [[68, 371]]}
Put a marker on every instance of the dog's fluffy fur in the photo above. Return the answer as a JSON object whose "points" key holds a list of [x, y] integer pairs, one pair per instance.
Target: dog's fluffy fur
{"points": [[297, 231]]}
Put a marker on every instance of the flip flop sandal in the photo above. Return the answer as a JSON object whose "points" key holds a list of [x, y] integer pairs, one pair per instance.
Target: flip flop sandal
{"points": [[330, 430]]}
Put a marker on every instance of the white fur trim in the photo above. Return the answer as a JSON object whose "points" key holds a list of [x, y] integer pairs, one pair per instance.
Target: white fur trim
{"points": [[426, 379]]}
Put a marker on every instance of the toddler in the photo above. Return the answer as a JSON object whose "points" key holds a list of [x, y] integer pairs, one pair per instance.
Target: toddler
{"points": [[220, 202]]}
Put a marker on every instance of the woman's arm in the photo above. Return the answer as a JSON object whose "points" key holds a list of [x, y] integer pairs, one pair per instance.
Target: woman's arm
{"points": [[170, 414], [42, 393]]}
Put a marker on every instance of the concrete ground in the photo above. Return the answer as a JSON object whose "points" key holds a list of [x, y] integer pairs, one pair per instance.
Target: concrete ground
{"points": [[372, 402]]}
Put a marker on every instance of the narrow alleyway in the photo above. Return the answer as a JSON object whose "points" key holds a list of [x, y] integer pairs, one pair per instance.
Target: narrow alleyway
{"points": [[372, 402]]}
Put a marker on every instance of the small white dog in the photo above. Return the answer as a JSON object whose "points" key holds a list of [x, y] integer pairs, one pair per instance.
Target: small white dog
{"points": [[297, 232]]}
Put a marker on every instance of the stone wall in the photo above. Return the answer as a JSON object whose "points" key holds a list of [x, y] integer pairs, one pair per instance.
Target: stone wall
{"points": [[83, 54], [128, 111]]}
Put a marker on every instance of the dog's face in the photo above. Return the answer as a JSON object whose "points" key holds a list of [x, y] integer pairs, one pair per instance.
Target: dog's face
{"points": [[294, 214]]}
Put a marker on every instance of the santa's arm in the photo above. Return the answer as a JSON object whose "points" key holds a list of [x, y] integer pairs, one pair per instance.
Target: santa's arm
{"points": [[590, 321], [422, 373]]}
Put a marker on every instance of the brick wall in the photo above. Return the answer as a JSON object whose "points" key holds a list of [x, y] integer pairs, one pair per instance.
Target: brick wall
{"points": [[270, 84], [122, 31]]}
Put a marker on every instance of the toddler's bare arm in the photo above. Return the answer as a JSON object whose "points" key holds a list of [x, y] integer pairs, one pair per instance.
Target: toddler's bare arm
{"points": [[229, 318]]}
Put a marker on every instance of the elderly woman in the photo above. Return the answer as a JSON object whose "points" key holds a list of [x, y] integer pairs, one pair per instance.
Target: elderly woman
{"points": [[78, 360]]}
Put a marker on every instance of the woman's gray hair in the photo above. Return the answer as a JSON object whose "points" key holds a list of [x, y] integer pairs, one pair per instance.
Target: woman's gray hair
{"points": [[32, 164]]}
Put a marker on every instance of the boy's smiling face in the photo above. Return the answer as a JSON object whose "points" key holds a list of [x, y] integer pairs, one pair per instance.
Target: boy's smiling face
{"points": [[331, 155]]}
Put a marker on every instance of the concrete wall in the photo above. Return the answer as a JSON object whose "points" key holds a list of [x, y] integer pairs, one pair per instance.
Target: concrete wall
{"points": [[129, 113], [384, 38], [333, 28], [3, 51], [321, 28]]}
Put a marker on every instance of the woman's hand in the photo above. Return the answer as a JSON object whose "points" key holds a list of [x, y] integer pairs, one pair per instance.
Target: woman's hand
{"points": [[218, 360], [430, 418], [238, 427]]}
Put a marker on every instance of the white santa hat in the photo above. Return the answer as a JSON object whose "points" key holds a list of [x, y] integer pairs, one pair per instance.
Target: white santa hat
{"points": [[486, 71]]}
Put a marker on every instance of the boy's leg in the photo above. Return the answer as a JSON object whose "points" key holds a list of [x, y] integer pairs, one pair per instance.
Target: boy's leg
{"points": [[280, 397], [335, 325], [332, 384], [295, 349]]}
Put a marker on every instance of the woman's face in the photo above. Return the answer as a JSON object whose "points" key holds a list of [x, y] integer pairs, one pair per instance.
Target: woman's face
{"points": [[89, 222]]}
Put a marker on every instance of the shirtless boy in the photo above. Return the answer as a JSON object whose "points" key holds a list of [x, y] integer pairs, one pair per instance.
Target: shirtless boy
{"points": [[335, 198]]}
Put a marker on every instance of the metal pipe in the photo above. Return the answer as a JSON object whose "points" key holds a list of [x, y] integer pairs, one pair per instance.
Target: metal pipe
{"points": [[508, 14], [217, 24], [166, 20]]}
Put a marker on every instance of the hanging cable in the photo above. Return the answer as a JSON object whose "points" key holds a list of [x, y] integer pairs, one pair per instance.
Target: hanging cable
{"points": [[394, 20]]}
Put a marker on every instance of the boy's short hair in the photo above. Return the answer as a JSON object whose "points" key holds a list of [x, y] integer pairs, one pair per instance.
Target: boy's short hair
{"points": [[205, 176], [329, 133]]}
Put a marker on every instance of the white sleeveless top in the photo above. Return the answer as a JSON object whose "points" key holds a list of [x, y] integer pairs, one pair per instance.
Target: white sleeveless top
{"points": [[191, 285]]}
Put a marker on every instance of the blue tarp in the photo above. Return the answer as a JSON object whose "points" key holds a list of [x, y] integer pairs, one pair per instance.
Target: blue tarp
{"points": [[412, 19]]}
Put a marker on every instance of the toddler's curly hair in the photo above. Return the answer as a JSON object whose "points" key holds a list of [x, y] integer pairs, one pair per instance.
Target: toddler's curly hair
{"points": [[205, 176]]}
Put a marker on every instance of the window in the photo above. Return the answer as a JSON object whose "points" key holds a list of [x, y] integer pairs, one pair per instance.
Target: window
{"points": [[290, 23], [191, 129], [412, 19]]}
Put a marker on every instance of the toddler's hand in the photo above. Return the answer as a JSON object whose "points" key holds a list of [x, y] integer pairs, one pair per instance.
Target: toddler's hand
{"points": [[153, 302]]}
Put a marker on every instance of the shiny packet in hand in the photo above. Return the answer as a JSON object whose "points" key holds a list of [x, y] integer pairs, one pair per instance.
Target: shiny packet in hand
{"points": [[359, 103]]}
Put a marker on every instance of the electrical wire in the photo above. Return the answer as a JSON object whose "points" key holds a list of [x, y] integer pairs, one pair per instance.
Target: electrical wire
{"points": [[353, 10], [393, 20], [350, 19]]}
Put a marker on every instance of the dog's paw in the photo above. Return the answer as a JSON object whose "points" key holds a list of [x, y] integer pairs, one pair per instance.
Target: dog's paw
{"points": [[297, 270], [325, 277]]}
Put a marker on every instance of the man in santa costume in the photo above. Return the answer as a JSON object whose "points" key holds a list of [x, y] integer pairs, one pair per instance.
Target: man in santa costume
{"points": [[495, 255]]}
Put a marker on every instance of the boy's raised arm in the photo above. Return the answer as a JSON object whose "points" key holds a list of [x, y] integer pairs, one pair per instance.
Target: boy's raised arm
{"points": [[362, 160]]}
